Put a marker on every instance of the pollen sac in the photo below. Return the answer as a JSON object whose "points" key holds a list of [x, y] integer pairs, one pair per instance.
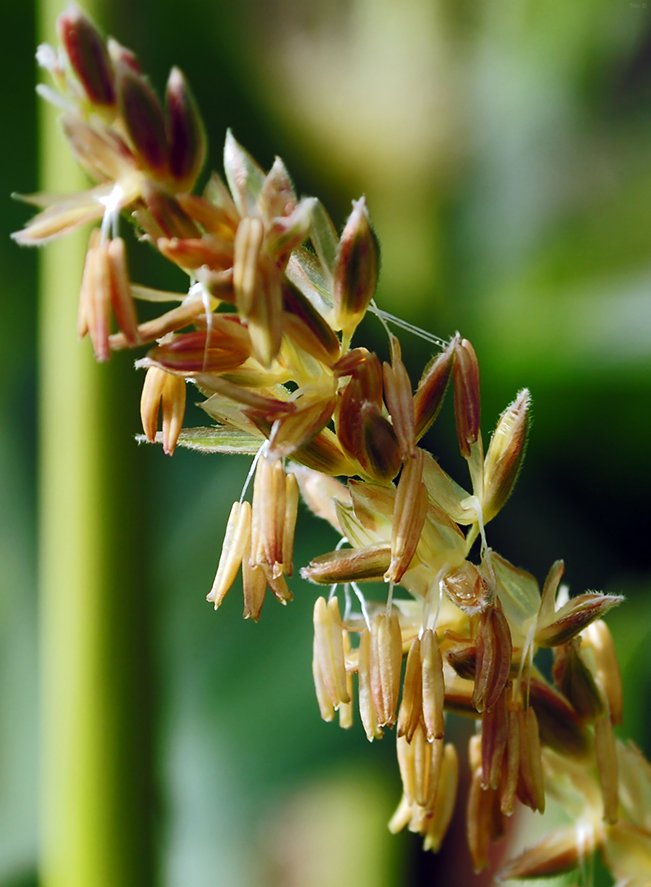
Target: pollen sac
{"points": [[349, 565], [143, 118], [494, 736], [511, 764], [329, 646], [94, 300], [420, 765], [462, 657], [185, 133], [431, 390], [397, 393], [236, 538], [386, 665], [433, 685], [88, 56], [505, 454], [530, 788], [465, 374], [173, 409], [356, 269], [428, 758], [494, 650], [446, 793], [484, 819], [379, 453], [163, 387], [346, 708], [223, 347], [409, 517], [121, 298], [559, 852], [467, 588], [289, 529], [367, 710], [322, 696], [254, 583], [270, 493], [364, 433], [411, 706], [575, 616]]}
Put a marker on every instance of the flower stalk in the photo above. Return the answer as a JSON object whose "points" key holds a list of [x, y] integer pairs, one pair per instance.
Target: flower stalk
{"points": [[94, 764]]}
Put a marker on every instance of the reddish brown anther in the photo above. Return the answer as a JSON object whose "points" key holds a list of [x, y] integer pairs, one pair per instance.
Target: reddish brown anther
{"points": [[329, 649], [431, 389], [484, 819], [143, 119], [185, 133], [433, 685], [465, 375], [410, 512], [531, 787], [363, 431], [349, 565], [398, 396], [511, 764], [386, 664], [367, 710], [493, 662], [411, 707], [494, 735], [161, 387], [219, 349], [88, 55]]}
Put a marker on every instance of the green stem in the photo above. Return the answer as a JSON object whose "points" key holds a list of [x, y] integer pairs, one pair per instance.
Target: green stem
{"points": [[94, 747]]}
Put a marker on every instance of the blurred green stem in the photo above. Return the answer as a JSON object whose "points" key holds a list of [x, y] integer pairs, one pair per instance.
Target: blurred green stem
{"points": [[94, 746]]}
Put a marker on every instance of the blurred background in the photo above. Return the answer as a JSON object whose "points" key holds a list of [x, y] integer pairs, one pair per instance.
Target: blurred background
{"points": [[505, 153]]}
